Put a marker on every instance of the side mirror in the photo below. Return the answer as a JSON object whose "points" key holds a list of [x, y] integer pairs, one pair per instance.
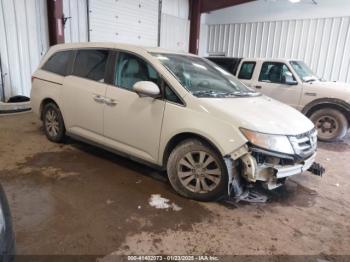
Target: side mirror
{"points": [[146, 88], [288, 79]]}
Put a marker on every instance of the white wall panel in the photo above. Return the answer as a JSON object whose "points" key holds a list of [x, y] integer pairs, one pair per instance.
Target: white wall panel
{"points": [[174, 33], [178, 8], [323, 43], [24, 40], [126, 21], [76, 27]]}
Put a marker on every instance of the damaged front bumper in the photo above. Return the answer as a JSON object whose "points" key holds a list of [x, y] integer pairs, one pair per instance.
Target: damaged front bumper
{"points": [[255, 164]]}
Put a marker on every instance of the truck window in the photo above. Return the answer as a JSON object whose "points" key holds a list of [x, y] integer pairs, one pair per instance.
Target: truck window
{"points": [[247, 70], [274, 72], [58, 63]]}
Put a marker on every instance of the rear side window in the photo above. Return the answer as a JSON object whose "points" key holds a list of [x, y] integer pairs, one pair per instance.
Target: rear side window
{"points": [[91, 64], [247, 70], [58, 63]]}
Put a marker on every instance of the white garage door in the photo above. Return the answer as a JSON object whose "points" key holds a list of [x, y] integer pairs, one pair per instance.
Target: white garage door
{"points": [[125, 21]]}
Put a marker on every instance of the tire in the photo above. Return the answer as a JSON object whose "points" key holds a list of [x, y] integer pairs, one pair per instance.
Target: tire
{"points": [[214, 185], [53, 123], [331, 124]]}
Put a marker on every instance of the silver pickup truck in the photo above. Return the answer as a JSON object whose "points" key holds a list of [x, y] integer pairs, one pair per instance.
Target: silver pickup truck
{"points": [[292, 82]]}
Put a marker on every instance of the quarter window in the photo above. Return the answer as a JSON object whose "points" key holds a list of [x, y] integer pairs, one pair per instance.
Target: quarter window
{"points": [[131, 69], [91, 64], [246, 71], [170, 95], [58, 63], [274, 72]]}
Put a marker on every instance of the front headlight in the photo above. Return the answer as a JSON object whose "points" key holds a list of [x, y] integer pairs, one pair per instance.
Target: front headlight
{"points": [[277, 143]]}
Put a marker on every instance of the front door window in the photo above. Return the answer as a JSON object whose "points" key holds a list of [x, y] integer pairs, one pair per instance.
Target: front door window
{"points": [[273, 72], [132, 69]]}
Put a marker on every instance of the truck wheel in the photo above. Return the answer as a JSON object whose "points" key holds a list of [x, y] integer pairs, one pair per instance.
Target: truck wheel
{"points": [[197, 171], [331, 124], [53, 123]]}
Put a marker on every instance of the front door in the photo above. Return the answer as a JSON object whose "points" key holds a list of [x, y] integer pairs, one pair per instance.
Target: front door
{"points": [[272, 82], [133, 123], [83, 94]]}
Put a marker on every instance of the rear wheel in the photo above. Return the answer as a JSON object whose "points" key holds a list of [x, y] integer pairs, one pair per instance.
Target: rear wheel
{"points": [[197, 171], [331, 124], [53, 123]]}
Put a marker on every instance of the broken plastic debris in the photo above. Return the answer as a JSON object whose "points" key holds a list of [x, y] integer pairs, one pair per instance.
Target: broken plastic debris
{"points": [[108, 202], [160, 202], [175, 207]]}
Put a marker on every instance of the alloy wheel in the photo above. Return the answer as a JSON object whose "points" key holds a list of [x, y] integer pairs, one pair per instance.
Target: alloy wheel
{"points": [[199, 172], [52, 123]]}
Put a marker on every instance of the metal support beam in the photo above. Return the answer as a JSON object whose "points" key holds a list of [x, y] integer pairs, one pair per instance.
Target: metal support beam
{"points": [[55, 21], [209, 5], [195, 22], [197, 7], [160, 3], [2, 85]]}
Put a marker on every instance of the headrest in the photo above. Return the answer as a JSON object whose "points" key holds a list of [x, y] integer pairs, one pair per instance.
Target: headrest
{"points": [[133, 67]]}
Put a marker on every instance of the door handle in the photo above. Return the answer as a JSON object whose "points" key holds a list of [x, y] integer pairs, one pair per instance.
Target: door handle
{"points": [[310, 94], [110, 102], [99, 98], [258, 87]]}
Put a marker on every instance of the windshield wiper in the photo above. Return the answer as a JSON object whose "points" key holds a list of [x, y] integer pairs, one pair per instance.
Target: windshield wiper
{"points": [[241, 94], [224, 94], [309, 79], [207, 93]]}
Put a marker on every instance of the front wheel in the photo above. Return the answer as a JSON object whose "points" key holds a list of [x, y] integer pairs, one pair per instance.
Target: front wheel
{"points": [[197, 171], [330, 123]]}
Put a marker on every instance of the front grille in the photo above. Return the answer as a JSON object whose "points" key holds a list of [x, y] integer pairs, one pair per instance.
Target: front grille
{"points": [[304, 144]]}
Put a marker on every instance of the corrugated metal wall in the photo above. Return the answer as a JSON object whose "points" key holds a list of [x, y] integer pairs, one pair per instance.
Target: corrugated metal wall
{"points": [[24, 40], [75, 29], [323, 43]]}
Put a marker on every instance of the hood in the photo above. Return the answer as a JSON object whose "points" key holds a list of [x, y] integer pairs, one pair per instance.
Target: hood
{"points": [[338, 90], [262, 114]]}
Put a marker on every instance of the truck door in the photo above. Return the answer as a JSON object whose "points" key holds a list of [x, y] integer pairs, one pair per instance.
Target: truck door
{"points": [[277, 81]]}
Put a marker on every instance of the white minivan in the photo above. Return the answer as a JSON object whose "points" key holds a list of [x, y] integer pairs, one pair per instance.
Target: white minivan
{"points": [[175, 111]]}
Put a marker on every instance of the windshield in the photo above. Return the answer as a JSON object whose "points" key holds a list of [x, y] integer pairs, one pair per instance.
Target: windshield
{"points": [[303, 71], [203, 78]]}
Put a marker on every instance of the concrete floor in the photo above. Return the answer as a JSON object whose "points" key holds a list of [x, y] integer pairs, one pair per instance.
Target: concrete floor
{"points": [[77, 199]]}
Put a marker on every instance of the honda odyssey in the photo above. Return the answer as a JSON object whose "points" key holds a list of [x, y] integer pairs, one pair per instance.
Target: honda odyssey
{"points": [[179, 112]]}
